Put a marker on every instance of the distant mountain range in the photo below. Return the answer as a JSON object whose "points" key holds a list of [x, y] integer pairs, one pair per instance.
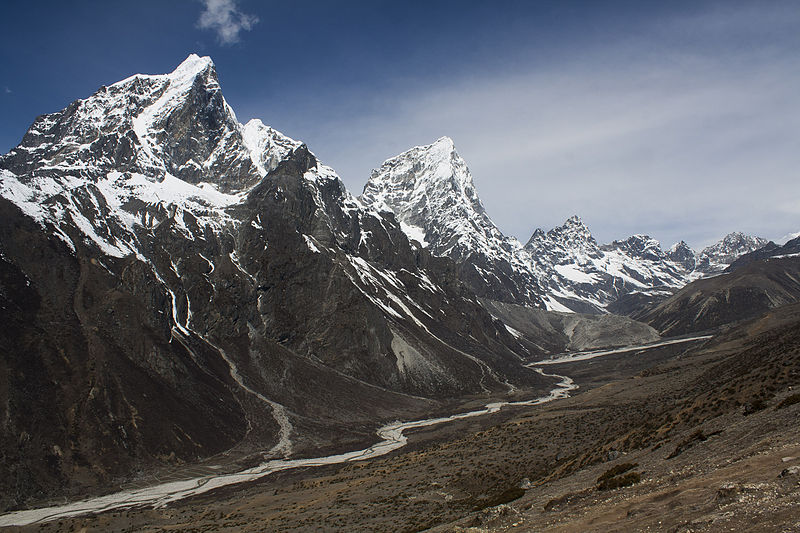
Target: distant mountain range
{"points": [[430, 191]]}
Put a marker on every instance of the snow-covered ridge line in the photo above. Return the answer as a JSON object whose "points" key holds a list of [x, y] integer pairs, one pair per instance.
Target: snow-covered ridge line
{"points": [[391, 438], [33, 197], [188, 69], [429, 188]]}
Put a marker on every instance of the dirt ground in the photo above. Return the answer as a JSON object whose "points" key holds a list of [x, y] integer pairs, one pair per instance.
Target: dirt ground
{"points": [[702, 429]]}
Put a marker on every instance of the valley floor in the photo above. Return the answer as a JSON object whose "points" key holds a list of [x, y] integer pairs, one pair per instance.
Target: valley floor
{"points": [[711, 446]]}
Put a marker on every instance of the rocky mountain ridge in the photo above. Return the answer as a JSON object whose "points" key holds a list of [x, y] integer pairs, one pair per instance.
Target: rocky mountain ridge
{"points": [[182, 285], [790, 248]]}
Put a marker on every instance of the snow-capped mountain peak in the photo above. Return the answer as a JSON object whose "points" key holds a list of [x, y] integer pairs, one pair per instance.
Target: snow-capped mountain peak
{"points": [[267, 146], [682, 254], [430, 190], [168, 139], [571, 241], [717, 257], [679, 247], [574, 233], [423, 174], [175, 124], [642, 246], [191, 67]]}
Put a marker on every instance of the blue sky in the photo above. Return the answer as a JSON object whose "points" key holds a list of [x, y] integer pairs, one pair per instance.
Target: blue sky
{"points": [[676, 119]]}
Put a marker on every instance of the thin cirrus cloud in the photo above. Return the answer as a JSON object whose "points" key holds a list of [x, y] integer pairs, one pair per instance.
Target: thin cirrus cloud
{"points": [[686, 144], [225, 18]]}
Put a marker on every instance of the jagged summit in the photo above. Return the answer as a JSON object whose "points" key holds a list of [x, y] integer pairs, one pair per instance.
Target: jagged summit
{"points": [[573, 236], [718, 256], [682, 254], [168, 139], [421, 174], [574, 232], [680, 245], [187, 70], [430, 190], [640, 245], [191, 66], [175, 124], [267, 146], [573, 224]]}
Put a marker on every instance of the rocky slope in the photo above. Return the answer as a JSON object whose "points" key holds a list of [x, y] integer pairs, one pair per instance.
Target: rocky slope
{"points": [[182, 285], [707, 430], [551, 332], [746, 292]]}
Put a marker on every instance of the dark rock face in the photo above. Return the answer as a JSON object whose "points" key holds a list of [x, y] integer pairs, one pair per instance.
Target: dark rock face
{"points": [[90, 369], [180, 285], [636, 303], [683, 255]]}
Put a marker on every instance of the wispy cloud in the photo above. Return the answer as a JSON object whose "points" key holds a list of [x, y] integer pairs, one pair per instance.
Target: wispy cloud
{"points": [[690, 144], [224, 18], [7, 90], [789, 237]]}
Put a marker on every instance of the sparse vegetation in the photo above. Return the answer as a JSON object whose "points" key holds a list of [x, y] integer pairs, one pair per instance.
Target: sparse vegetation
{"points": [[789, 400], [616, 471], [508, 495], [754, 406], [690, 441], [617, 482], [449, 472]]}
